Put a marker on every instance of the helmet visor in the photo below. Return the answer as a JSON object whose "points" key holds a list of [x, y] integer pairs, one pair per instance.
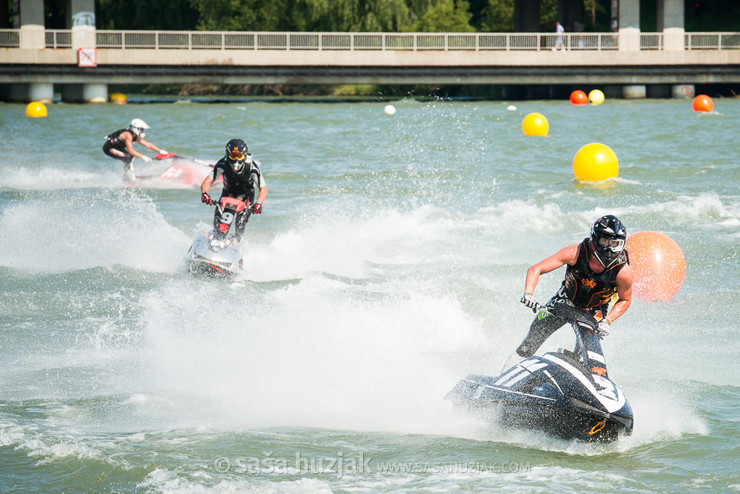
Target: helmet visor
{"points": [[236, 155], [612, 244]]}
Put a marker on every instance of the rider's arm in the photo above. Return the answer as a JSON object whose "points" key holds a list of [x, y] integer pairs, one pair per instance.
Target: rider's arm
{"points": [[624, 293], [566, 255], [149, 145], [129, 138], [206, 185], [262, 195]]}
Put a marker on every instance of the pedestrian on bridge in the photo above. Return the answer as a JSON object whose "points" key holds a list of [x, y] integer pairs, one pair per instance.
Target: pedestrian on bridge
{"points": [[120, 145], [559, 29]]}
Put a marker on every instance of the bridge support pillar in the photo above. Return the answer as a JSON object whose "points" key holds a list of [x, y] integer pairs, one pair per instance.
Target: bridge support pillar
{"points": [[31, 17], [25, 93], [81, 19], [629, 25], [85, 93], [673, 39], [671, 13], [683, 91], [635, 91]]}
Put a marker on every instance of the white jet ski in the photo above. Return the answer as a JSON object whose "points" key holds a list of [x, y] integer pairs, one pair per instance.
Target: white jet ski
{"points": [[218, 252]]}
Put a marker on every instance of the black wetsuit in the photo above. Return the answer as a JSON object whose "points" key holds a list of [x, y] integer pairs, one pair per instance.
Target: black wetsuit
{"points": [[242, 185], [581, 288], [115, 146]]}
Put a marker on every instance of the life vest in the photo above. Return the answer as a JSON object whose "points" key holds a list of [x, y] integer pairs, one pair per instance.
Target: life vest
{"points": [[586, 289], [114, 139], [239, 184]]}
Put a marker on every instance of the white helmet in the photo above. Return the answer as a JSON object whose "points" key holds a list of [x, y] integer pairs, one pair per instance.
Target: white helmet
{"points": [[137, 127]]}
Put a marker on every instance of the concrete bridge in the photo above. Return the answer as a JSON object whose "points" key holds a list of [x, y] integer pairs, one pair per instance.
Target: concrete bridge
{"points": [[84, 62]]}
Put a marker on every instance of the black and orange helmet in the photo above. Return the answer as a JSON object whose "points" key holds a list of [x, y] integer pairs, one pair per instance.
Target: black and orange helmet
{"points": [[236, 153]]}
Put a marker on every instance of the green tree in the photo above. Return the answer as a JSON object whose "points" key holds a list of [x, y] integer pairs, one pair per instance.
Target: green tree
{"points": [[498, 16], [446, 16], [229, 15], [549, 15], [304, 15], [383, 16]]}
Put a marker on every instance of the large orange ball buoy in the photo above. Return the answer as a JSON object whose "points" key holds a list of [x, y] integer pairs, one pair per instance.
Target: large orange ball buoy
{"points": [[595, 162], [535, 124], [578, 97], [703, 103], [658, 264]]}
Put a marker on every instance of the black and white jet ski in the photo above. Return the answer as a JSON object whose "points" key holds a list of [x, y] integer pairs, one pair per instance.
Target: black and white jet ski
{"points": [[564, 394], [218, 252], [171, 171]]}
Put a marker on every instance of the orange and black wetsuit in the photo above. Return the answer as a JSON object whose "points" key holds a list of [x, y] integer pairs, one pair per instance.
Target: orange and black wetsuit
{"points": [[581, 288]]}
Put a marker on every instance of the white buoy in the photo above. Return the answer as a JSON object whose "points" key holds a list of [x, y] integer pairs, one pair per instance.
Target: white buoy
{"points": [[511, 108], [390, 109]]}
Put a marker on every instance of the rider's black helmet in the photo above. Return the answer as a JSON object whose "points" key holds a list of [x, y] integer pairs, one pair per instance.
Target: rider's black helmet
{"points": [[607, 239], [236, 153]]}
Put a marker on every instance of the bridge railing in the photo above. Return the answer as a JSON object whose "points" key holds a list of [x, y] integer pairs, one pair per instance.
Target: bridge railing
{"points": [[232, 40]]}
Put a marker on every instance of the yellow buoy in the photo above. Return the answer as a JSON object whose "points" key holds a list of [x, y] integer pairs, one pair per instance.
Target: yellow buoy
{"points": [[35, 109], [535, 124], [595, 162], [118, 98], [596, 97]]}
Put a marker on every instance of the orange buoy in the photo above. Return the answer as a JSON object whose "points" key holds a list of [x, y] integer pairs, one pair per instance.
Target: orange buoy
{"points": [[703, 103], [658, 264], [578, 97]]}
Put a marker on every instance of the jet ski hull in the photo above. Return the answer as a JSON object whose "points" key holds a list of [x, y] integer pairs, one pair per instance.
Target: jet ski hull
{"points": [[169, 171], [552, 394], [564, 394], [223, 261]]}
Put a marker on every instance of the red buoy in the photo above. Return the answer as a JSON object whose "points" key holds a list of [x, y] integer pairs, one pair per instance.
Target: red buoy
{"points": [[578, 97], [703, 103]]}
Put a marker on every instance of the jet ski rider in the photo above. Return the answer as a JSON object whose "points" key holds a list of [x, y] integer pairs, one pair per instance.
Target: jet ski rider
{"points": [[597, 268], [120, 145], [241, 178]]}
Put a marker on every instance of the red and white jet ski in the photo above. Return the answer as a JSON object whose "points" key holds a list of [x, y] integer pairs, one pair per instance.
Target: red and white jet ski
{"points": [[171, 171]]}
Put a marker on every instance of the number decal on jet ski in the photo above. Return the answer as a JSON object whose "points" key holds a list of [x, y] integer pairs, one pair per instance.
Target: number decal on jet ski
{"points": [[227, 217], [219, 252], [172, 172]]}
